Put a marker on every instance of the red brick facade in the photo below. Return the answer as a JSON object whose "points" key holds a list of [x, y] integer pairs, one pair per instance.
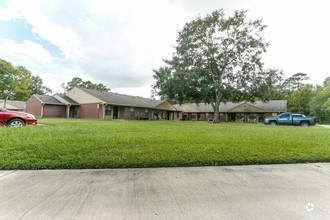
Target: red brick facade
{"points": [[33, 106], [89, 110], [55, 111]]}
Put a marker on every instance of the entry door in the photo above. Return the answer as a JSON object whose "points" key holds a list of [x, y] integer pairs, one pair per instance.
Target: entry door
{"points": [[233, 117], [261, 117], [74, 112], [115, 112]]}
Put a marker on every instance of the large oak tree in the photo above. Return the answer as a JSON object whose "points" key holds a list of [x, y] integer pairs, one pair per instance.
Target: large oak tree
{"points": [[217, 59]]}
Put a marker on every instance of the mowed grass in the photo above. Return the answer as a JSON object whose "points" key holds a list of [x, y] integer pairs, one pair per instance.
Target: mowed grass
{"points": [[79, 143]]}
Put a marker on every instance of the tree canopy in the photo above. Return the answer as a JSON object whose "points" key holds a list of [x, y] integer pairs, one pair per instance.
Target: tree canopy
{"points": [[217, 59], [14, 82], [37, 86], [78, 82]]}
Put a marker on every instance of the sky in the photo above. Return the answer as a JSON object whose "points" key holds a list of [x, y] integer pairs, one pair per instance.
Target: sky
{"points": [[119, 43]]}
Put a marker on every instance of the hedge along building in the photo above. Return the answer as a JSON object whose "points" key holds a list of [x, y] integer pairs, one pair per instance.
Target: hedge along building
{"points": [[89, 103], [237, 112]]}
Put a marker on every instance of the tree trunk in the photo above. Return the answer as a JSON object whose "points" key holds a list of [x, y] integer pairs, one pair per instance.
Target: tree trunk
{"points": [[216, 110], [5, 102]]}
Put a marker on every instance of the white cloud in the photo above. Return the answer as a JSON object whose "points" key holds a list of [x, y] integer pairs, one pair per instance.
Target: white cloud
{"points": [[27, 51], [118, 43]]}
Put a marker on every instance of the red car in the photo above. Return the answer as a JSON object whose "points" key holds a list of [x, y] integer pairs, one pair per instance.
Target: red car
{"points": [[16, 119]]}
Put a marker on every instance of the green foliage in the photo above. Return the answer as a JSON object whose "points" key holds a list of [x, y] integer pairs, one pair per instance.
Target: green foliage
{"points": [[299, 101], [320, 103], [37, 87], [14, 81], [295, 82], [78, 82], [118, 144], [217, 58]]}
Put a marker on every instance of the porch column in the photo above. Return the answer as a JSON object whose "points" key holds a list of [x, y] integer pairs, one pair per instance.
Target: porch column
{"points": [[42, 110], [68, 111], [103, 110]]}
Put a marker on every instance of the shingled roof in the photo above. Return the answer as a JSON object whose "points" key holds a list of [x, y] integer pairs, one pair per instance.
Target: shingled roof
{"points": [[47, 99], [17, 105], [68, 99], [123, 100], [270, 106]]}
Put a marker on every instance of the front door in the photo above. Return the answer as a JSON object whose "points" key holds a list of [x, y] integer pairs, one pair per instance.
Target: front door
{"points": [[115, 112], [74, 111], [233, 117], [261, 117]]}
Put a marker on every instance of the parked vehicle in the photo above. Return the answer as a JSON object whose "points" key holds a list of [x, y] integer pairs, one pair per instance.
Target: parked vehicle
{"points": [[291, 119], [16, 119]]}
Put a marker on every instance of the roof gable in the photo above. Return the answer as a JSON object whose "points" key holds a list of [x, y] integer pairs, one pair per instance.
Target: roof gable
{"points": [[245, 107], [165, 105]]}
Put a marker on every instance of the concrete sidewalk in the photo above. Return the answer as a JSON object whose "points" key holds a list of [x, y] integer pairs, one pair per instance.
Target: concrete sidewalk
{"points": [[237, 192]]}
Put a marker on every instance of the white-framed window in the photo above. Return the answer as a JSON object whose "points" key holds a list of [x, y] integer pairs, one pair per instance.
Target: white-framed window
{"points": [[207, 115], [274, 114], [131, 111]]}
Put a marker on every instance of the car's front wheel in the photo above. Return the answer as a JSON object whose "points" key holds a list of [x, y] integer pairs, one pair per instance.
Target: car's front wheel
{"points": [[16, 123]]}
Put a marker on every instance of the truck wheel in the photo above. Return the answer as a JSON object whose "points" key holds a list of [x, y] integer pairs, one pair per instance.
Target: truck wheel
{"points": [[16, 123], [304, 124], [272, 123]]}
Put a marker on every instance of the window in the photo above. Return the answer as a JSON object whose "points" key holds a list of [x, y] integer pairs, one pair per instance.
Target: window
{"points": [[193, 116], [207, 116], [131, 111], [240, 116], [274, 114], [108, 110], [252, 116], [146, 112], [285, 116], [177, 114], [220, 115]]}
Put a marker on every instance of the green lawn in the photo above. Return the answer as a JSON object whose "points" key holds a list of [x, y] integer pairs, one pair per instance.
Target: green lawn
{"points": [[79, 143]]}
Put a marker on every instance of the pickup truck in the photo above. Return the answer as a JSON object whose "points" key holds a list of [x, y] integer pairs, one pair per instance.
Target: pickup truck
{"points": [[291, 119], [16, 119]]}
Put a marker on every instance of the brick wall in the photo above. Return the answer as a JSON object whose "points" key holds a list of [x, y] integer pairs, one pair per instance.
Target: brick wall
{"points": [[88, 111], [138, 113], [33, 106], [176, 118], [57, 111]]}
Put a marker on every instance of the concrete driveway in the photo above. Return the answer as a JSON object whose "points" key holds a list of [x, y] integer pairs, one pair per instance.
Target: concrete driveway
{"points": [[237, 192]]}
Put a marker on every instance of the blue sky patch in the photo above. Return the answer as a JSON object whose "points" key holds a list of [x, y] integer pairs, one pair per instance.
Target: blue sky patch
{"points": [[20, 30]]}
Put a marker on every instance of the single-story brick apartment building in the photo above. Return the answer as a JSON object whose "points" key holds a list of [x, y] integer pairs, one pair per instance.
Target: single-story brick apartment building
{"points": [[89, 103], [236, 112]]}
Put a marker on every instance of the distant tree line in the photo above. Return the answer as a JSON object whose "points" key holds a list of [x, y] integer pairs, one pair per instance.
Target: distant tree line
{"points": [[305, 98], [18, 83], [78, 82]]}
